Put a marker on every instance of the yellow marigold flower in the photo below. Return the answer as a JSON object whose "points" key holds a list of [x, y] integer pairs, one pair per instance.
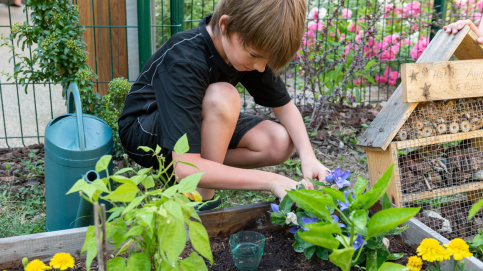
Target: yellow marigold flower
{"points": [[414, 263], [36, 265], [431, 251], [62, 261], [459, 249]]}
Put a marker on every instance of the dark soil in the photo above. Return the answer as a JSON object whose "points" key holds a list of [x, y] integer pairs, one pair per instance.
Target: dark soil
{"points": [[278, 254]]}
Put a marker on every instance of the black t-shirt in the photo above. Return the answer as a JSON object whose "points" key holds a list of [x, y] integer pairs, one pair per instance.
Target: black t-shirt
{"points": [[175, 78]]}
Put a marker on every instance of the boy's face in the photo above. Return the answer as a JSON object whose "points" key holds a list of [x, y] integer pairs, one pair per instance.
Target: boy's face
{"points": [[242, 58]]}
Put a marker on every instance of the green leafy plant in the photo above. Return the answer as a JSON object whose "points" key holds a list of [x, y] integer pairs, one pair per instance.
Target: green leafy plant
{"points": [[335, 224], [60, 54], [148, 223]]}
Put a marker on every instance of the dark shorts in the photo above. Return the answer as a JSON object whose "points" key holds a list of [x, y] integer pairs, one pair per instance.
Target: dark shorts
{"points": [[142, 131]]}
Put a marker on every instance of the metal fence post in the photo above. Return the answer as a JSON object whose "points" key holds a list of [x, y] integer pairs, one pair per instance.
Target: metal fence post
{"points": [[440, 12], [177, 16], [144, 31]]}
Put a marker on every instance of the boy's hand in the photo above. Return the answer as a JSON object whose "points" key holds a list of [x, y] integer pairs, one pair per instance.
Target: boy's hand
{"points": [[457, 26], [315, 170], [280, 187]]}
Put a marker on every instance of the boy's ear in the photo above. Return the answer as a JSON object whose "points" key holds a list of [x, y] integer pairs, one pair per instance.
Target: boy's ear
{"points": [[223, 23]]}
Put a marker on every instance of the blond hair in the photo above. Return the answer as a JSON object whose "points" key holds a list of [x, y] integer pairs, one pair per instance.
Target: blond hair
{"points": [[274, 27]]}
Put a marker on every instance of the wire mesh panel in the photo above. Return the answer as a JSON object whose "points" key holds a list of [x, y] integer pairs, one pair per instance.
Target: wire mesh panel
{"points": [[440, 164]]}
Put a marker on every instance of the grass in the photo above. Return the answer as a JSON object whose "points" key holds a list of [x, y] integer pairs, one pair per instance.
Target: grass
{"points": [[22, 210]]}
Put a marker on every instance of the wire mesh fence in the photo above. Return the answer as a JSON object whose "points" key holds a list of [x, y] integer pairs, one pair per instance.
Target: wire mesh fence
{"points": [[121, 35], [440, 164]]}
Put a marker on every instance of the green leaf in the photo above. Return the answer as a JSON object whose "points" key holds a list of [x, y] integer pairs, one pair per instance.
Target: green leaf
{"points": [[117, 263], [392, 267], [124, 170], [395, 256], [133, 204], [386, 202], [100, 185], [170, 191], [134, 231], [379, 188], [285, 205], [200, 240], [121, 179], [90, 245], [103, 163], [388, 219], [321, 234], [144, 171], [342, 258], [138, 262], [371, 260], [313, 201], [124, 193], [173, 236], [189, 183], [146, 149], [193, 262], [80, 185], [148, 182], [360, 186], [360, 218], [181, 145], [475, 208], [334, 193]]}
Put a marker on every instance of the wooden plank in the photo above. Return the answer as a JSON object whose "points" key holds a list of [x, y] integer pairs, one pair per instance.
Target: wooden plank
{"points": [[469, 48], [445, 80], [438, 139], [442, 192], [378, 162], [106, 46], [220, 222], [387, 123]]}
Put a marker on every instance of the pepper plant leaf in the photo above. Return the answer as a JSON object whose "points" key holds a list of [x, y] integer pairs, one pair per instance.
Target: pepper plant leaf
{"points": [[139, 262], [181, 145], [124, 193], [103, 163], [200, 240], [189, 183]]}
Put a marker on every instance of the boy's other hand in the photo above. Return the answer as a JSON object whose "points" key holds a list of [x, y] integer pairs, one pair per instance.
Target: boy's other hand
{"points": [[457, 26]]}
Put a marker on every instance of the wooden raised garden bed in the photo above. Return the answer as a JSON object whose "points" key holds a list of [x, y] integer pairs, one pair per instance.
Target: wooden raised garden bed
{"points": [[219, 223]]}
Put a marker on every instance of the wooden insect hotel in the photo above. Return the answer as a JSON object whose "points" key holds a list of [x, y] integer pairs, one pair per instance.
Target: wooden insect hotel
{"points": [[431, 130]]}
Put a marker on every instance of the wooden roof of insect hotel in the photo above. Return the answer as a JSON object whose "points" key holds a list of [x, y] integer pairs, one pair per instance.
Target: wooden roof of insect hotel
{"points": [[399, 107]]}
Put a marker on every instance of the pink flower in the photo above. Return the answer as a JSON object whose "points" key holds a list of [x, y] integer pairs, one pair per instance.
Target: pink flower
{"points": [[315, 26], [476, 16], [314, 13], [479, 5], [419, 47], [412, 9], [346, 13], [352, 28], [390, 77], [388, 8]]}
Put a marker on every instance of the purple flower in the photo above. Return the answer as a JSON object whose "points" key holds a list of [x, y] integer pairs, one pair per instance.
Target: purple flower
{"points": [[358, 242], [306, 221], [336, 219], [339, 177], [344, 205], [294, 229], [275, 208]]}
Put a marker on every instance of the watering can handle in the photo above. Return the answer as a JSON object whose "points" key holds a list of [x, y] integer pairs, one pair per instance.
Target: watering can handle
{"points": [[73, 96]]}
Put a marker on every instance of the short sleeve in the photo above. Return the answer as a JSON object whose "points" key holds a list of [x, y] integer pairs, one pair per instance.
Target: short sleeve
{"points": [[179, 94], [266, 88]]}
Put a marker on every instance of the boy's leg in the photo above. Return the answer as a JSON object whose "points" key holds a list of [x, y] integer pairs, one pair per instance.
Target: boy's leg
{"points": [[268, 143], [220, 111]]}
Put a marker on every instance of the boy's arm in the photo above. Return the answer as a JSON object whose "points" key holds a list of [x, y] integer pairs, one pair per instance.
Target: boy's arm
{"points": [[219, 176], [290, 117]]}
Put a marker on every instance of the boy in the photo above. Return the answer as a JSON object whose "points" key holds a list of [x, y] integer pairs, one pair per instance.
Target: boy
{"points": [[188, 86]]}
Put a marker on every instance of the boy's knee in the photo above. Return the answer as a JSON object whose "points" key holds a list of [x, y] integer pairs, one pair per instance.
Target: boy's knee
{"points": [[222, 98]]}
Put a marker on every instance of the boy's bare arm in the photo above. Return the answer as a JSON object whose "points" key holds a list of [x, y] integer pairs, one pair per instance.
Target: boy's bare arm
{"points": [[219, 176], [457, 26], [291, 119]]}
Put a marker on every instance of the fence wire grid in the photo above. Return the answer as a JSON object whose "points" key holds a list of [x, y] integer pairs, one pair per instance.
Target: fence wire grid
{"points": [[122, 34]]}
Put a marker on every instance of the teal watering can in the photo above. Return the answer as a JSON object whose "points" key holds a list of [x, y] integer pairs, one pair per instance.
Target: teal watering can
{"points": [[73, 143]]}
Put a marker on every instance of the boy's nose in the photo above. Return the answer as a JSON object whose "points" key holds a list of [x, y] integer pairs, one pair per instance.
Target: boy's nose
{"points": [[260, 65]]}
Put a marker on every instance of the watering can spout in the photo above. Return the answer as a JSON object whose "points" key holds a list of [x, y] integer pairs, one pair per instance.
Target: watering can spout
{"points": [[84, 215]]}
